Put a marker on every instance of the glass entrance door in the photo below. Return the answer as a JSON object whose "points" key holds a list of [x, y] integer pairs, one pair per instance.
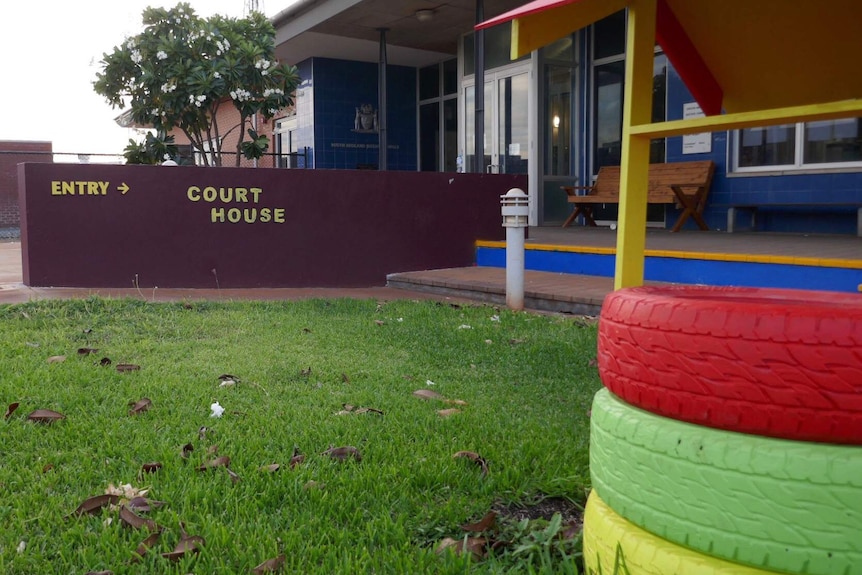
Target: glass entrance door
{"points": [[506, 116]]}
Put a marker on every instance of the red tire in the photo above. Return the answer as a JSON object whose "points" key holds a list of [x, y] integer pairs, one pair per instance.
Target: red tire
{"points": [[782, 363]]}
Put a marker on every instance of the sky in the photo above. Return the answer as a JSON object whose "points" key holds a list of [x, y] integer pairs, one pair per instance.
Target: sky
{"points": [[49, 56]]}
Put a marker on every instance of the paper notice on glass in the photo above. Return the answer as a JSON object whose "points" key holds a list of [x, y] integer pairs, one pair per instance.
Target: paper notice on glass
{"points": [[695, 143]]}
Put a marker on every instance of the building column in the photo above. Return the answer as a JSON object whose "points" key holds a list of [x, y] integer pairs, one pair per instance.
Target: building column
{"points": [[634, 167], [479, 96], [382, 150]]}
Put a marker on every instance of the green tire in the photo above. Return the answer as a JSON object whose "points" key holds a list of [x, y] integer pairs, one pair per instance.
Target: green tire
{"points": [[768, 503], [613, 545]]}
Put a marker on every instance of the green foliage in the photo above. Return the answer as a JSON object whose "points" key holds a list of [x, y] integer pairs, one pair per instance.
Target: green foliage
{"points": [[181, 68], [154, 149], [258, 145], [527, 381]]}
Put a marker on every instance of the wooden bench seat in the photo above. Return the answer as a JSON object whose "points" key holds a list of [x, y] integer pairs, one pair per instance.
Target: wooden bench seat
{"points": [[685, 184]]}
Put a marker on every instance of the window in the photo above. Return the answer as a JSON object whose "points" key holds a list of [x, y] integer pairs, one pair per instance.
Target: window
{"points": [[608, 76], [206, 157], [831, 143], [287, 152], [608, 79], [438, 117]]}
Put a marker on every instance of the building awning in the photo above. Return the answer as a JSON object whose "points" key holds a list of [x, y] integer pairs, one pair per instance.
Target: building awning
{"points": [[734, 55], [747, 63]]}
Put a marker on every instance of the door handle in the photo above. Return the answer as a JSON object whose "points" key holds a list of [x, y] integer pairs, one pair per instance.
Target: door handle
{"points": [[491, 167]]}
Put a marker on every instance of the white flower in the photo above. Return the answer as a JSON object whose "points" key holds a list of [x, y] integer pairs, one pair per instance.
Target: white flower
{"points": [[465, 326], [22, 546], [136, 56], [495, 318], [429, 382], [217, 410], [130, 44], [161, 55], [166, 157], [216, 75]]}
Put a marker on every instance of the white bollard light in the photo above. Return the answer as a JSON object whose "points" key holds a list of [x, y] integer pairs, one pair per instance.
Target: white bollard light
{"points": [[516, 211]]}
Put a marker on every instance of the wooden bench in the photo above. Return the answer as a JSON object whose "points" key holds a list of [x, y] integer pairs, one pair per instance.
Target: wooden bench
{"points": [[685, 184]]}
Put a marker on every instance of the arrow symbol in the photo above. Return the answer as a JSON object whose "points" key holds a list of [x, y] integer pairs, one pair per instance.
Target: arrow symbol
{"points": [[124, 187]]}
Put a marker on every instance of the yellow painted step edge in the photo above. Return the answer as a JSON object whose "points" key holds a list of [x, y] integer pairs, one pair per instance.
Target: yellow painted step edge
{"points": [[614, 546]]}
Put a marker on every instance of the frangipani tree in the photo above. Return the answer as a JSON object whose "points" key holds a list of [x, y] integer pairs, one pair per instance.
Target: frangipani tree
{"points": [[182, 69]]}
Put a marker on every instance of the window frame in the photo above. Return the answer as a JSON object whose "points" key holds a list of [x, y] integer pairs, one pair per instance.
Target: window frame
{"points": [[799, 166]]}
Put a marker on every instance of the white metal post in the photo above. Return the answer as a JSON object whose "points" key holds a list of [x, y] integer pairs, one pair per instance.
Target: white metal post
{"points": [[516, 212]]}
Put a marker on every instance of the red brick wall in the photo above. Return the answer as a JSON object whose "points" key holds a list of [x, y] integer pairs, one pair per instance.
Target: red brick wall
{"points": [[228, 118], [13, 153]]}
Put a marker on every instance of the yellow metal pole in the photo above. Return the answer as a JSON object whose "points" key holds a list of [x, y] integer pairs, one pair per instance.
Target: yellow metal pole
{"points": [[634, 169]]}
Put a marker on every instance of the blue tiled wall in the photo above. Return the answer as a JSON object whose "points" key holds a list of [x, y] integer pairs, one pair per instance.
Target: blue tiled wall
{"points": [[338, 87], [745, 188], [765, 189]]}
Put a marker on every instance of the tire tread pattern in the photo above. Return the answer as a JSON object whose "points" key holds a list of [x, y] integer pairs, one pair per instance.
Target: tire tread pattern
{"points": [[768, 503]]}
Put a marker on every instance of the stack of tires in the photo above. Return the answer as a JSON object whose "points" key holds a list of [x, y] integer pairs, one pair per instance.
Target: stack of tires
{"points": [[728, 439]]}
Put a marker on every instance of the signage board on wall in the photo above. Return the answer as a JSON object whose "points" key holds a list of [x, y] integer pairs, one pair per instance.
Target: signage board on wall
{"points": [[189, 227], [695, 143]]}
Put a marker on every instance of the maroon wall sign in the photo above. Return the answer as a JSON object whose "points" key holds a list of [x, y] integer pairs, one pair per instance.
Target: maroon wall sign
{"points": [[191, 227]]}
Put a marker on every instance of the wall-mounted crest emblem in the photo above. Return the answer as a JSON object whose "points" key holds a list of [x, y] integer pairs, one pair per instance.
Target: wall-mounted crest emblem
{"points": [[365, 121]]}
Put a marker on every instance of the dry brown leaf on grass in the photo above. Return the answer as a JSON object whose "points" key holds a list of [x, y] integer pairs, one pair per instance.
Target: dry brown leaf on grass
{"points": [[151, 467], [56, 359], [448, 412], [223, 461], [93, 505], [127, 367], [484, 524], [145, 545], [87, 350], [131, 519], [45, 416], [186, 450], [474, 545], [105, 361], [11, 409], [270, 565], [349, 409], [187, 544], [143, 504], [296, 460], [428, 394], [433, 395], [474, 457], [271, 468], [140, 406], [343, 453]]}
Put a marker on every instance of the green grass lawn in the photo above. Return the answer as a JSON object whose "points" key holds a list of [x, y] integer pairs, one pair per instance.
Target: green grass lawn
{"points": [[527, 381]]}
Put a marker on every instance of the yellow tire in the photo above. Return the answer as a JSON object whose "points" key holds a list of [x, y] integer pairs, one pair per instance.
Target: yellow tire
{"points": [[614, 546]]}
